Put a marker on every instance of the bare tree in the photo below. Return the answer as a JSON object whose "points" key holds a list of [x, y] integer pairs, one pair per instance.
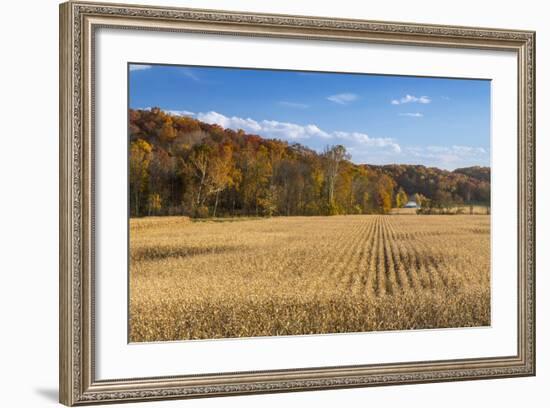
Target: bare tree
{"points": [[333, 156], [200, 158]]}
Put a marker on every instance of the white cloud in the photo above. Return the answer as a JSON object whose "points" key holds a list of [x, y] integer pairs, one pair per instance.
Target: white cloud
{"points": [[266, 128], [411, 99], [234, 122], [312, 135], [412, 114], [456, 149], [180, 113], [447, 157], [290, 131], [343, 98], [296, 105], [365, 140], [140, 67], [469, 150]]}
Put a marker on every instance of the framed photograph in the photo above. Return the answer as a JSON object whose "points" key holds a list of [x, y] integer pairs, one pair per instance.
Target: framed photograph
{"points": [[256, 203]]}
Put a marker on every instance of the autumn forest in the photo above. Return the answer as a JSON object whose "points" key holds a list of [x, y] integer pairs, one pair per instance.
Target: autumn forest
{"points": [[179, 165]]}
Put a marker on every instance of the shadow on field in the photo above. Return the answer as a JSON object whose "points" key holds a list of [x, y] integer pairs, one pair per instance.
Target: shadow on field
{"points": [[160, 252]]}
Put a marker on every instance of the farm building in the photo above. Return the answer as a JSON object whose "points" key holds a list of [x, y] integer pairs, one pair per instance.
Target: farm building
{"points": [[411, 204]]}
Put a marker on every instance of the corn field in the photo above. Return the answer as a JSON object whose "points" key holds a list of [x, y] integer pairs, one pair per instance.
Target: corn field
{"points": [[307, 275]]}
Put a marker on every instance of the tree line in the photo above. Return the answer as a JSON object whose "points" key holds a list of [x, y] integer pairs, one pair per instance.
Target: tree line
{"points": [[181, 166]]}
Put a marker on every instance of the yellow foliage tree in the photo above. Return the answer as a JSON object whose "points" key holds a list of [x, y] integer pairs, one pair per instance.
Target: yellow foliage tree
{"points": [[140, 157], [401, 198]]}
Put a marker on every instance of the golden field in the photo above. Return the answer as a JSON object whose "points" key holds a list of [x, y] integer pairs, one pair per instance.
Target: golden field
{"points": [[307, 275]]}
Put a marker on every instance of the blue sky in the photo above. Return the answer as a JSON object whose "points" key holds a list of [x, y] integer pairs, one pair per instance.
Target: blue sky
{"points": [[380, 119]]}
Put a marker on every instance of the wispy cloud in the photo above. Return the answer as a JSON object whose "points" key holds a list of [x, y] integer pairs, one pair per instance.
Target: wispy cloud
{"points": [[139, 67], [412, 114], [295, 105], [448, 157], [411, 99], [343, 98], [189, 73], [456, 149]]}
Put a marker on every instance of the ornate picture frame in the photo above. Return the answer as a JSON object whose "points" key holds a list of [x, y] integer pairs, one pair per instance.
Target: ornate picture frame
{"points": [[78, 24]]}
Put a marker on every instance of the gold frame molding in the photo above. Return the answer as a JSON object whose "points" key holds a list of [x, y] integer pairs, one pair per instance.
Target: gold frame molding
{"points": [[78, 22]]}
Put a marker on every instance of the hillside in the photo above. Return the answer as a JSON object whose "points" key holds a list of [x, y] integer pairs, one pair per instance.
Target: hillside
{"points": [[179, 165]]}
